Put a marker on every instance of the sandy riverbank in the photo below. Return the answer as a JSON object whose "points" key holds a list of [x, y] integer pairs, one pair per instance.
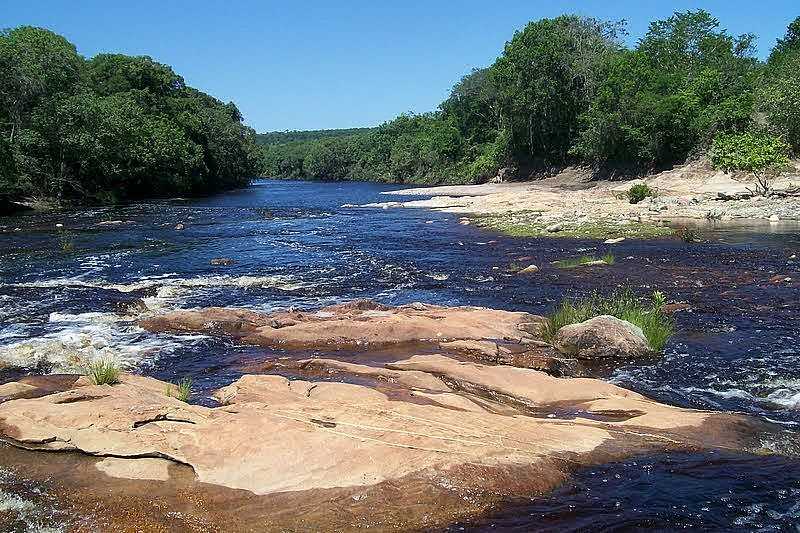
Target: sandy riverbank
{"points": [[572, 204]]}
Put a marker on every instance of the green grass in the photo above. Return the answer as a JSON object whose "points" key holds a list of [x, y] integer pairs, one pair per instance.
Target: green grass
{"points": [[182, 391], [585, 260], [103, 372], [656, 325], [525, 224]]}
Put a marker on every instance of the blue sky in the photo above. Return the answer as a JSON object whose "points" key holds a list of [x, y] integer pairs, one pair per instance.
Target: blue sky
{"points": [[328, 64]]}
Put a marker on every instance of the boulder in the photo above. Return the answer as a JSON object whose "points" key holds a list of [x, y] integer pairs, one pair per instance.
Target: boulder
{"points": [[602, 337]]}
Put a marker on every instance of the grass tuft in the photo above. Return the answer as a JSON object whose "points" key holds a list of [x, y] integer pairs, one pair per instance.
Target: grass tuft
{"points": [[103, 372], [182, 391], [585, 260], [656, 325], [687, 234]]}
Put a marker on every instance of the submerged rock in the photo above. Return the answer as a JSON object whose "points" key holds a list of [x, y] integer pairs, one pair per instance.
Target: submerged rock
{"points": [[464, 437], [602, 337], [221, 261]]}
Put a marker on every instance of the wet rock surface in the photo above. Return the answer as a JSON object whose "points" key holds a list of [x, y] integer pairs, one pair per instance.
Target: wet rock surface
{"points": [[464, 437], [360, 324]]}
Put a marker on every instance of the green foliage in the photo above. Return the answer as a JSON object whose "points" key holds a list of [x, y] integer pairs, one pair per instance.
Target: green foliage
{"points": [[779, 97], [286, 137], [639, 192], [110, 128], [751, 151], [182, 391], [688, 235], [687, 80], [607, 258], [656, 325], [103, 372]]}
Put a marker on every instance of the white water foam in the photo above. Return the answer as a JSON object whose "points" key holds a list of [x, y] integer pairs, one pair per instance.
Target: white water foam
{"points": [[24, 511]]}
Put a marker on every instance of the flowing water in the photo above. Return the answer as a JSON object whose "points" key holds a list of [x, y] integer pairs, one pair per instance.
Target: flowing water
{"points": [[68, 281]]}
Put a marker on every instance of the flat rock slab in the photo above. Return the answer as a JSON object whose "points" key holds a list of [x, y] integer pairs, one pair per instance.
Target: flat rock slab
{"points": [[360, 324], [481, 434]]}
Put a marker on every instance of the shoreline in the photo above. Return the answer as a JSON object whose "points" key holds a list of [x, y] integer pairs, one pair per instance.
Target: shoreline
{"points": [[570, 204]]}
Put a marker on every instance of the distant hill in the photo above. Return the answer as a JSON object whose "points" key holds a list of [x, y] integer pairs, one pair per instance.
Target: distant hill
{"points": [[284, 137]]}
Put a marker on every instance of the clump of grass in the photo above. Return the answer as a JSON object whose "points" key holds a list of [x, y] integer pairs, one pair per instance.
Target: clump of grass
{"points": [[656, 325], [182, 391], [608, 259], [687, 234], [639, 192], [103, 372]]}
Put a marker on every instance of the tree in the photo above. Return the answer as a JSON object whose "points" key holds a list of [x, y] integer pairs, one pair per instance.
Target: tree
{"points": [[547, 75], [787, 46]]}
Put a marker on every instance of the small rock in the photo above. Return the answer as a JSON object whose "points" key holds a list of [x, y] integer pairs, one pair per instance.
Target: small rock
{"points": [[59, 225], [464, 221], [774, 218], [179, 227], [221, 261], [530, 269], [614, 241], [554, 228]]}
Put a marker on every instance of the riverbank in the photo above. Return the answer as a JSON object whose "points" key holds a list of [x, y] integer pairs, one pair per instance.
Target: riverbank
{"points": [[571, 204]]}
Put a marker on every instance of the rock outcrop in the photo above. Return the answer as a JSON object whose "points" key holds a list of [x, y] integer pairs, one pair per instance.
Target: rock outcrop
{"points": [[438, 440], [602, 337], [356, 325]]}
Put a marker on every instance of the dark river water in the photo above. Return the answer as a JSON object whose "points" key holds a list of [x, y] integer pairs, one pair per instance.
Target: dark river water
{"points": [[738, 345]]}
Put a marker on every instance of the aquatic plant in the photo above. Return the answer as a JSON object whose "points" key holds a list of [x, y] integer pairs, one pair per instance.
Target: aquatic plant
{"points": [[573, 262], [65, 240], [656, 325], [182, 391], [103, 372], [639, 192], [687, 234]]}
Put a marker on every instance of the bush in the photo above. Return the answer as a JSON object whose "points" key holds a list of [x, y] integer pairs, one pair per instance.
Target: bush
{"points": [[639, 192], [687, 234], [750, 151], [103, 372], [651, 318]]}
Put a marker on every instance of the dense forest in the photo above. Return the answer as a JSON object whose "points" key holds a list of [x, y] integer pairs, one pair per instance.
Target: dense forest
{"points": [[110, 128], [567, 91], [285, 137]]}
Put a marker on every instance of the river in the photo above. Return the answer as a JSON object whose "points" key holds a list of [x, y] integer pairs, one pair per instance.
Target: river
{"points": [[66, 277]]}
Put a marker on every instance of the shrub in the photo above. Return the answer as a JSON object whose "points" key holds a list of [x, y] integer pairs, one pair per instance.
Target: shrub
{"points": [[750, 151], [639, 192], [103, 372], [687, 234], [183, 390], [651, 318]]}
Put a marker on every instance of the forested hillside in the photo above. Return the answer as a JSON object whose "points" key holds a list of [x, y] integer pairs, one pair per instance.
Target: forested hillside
{"points": [[567, 91], [110, 128], [284, 137]]}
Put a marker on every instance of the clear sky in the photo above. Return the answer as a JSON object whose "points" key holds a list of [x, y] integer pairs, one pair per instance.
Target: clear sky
{"points": [[335, 64]]}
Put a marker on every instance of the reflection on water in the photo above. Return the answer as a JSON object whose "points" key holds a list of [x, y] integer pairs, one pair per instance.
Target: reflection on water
{"points": [[73, 293]]}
